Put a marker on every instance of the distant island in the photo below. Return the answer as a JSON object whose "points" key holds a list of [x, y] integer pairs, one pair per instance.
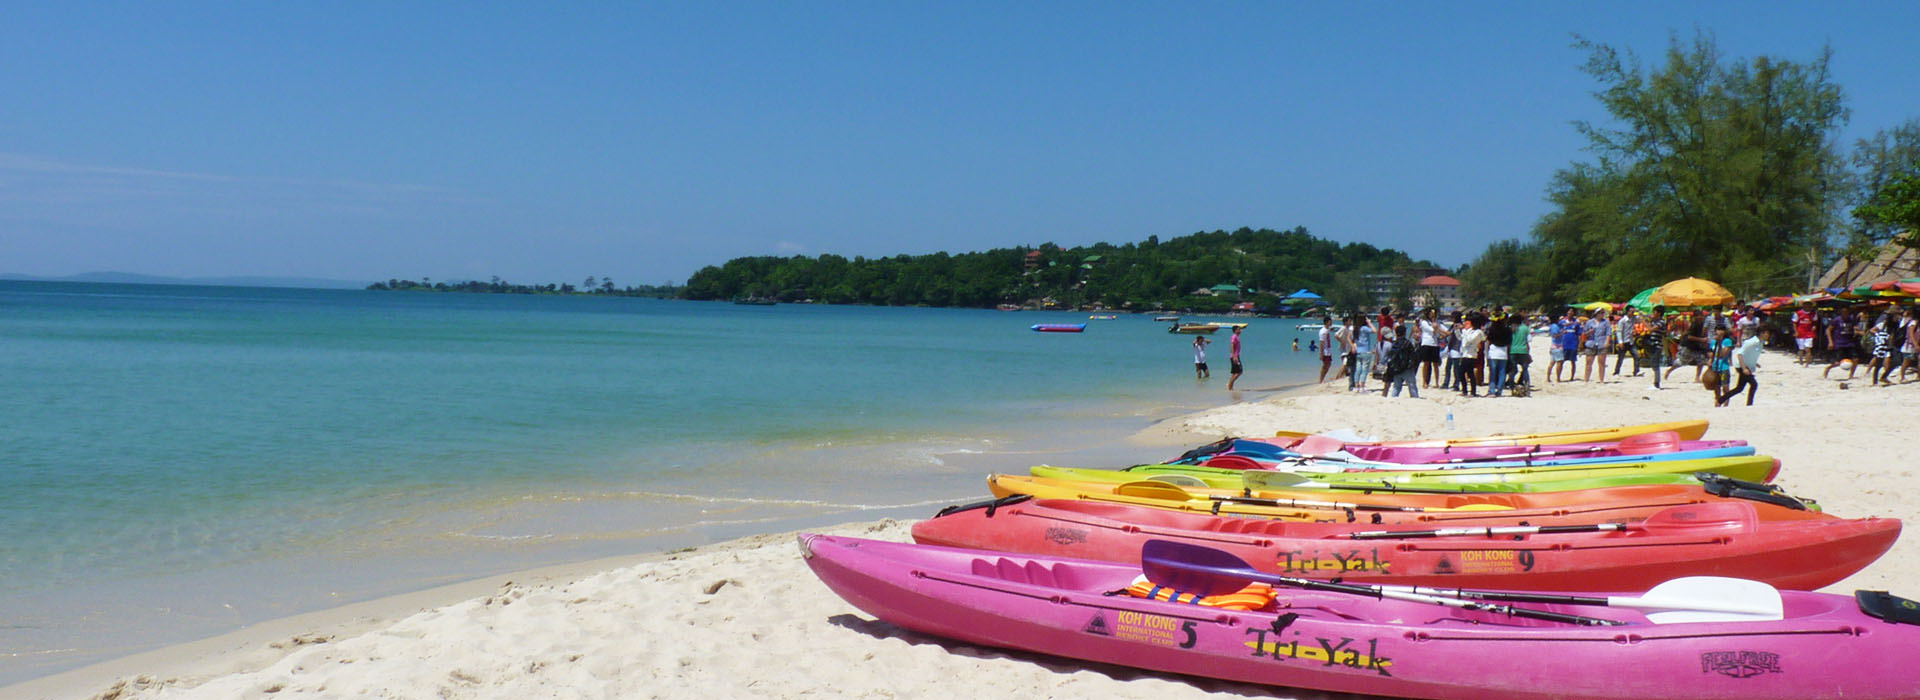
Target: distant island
{"points": [[234, 281], [1209, 272], [596, 286]]}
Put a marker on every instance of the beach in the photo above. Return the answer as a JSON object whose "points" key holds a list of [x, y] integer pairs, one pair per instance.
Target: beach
{"points": [[745, 618]]}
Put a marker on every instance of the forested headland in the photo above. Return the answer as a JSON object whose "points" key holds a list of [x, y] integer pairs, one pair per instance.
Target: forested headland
{"points": [[1261, 265], [1727, 169]]}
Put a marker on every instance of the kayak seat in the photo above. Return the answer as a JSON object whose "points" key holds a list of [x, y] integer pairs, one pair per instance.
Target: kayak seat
{"points": [[1057, 575]]}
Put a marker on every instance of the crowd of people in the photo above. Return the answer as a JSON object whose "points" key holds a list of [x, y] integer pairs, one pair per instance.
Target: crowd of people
{"points": [[1468, 351]]}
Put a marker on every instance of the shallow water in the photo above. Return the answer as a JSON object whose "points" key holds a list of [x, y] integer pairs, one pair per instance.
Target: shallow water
{"points": [[179, 461]]}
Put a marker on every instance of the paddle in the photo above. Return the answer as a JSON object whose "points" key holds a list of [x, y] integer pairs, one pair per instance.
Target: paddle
{"points": [[1303, 503], [1273, 480], [1684, 599], [1206, 571], [1178, 480], [1632, 445], [1688, 518], [1164, 490]]}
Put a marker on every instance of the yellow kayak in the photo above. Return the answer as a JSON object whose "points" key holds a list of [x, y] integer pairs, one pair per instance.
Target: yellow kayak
{"points": [[1157, 494], [1756, 468], [1686, 429]]}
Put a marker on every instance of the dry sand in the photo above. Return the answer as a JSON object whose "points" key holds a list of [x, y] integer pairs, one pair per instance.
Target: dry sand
{"points": [[746, 618]]}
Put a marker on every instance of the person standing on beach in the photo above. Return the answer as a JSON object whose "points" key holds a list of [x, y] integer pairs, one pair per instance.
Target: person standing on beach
{"points": [[1910, 346], [1200, 357], [1344, 337], [1450, 351], [1881, 349], [1623, 344], [1325, 346], [1429, 329], [1657, 343], [1233, 358], [1719, 361], [1364, 339], [1472, 341], [1519, 358], [1499, 348], [1803, 325], [1595, 335], [1403, 363]]}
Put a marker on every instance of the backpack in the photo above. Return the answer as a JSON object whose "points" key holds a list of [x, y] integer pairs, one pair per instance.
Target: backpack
{"points": [[1400, 357]]}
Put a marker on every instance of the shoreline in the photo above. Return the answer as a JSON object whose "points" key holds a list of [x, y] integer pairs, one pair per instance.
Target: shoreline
{"points": [[777, 632]]}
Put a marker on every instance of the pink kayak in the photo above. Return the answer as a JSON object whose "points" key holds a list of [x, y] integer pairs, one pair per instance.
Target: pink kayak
{"points": [[1823, 645], [1480, 453]]}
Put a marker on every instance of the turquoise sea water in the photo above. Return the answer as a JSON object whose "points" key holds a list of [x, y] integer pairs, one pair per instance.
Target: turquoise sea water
{"points": [[179, 461]]}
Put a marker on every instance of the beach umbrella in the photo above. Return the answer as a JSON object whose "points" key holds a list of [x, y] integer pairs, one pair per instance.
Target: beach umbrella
{"points": [[1691, 291], [1597, 306], [1303, 294], [1643, 300]]}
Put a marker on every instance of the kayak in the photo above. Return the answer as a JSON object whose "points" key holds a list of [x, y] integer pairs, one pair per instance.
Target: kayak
{"points": [[1153, 494], [1821, 646], [1242, 483], [1686, 430], [1059, 327], [1725, 538], [1750, 468], [1336, 463], [1529, 453], [1169, 472], [1648, 444]]}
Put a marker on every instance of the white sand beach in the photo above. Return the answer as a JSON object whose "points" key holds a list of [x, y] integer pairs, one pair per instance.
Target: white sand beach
{"points": [[746, 618]]}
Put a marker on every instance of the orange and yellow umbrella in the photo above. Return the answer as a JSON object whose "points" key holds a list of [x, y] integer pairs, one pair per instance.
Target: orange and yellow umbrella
{"points": [[1691, 291]]}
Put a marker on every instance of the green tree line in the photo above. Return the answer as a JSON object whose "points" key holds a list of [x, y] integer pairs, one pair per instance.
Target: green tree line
{"points": [[1152, 274], [592, 285], [1729, 170]]}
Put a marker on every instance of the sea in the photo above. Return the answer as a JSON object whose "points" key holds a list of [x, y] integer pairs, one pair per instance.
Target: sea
{"points": [[177, 462]]}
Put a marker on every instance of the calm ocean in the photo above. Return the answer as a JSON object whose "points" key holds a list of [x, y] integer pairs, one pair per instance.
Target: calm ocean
{"points": [[178, 461]]}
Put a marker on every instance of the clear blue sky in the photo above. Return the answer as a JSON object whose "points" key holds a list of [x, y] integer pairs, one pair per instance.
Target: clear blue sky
{"points": [[543, 142]]}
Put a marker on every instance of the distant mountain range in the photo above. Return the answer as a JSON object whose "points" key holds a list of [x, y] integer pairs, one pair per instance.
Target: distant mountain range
{"points": [[236, 281]]}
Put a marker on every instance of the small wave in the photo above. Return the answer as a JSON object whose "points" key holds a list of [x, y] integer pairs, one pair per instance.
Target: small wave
{"points": [[742, 500]]}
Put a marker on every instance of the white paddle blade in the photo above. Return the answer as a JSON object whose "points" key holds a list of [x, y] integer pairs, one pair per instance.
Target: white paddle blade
{"points": [[1707, 599], [1177, 480], [1259, 480]]}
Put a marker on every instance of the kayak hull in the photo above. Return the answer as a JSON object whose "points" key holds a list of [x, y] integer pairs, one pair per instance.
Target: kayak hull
{"points": [[1725, 538], [1344, 643], [1169, 497], [1686, 430], [1232, 484]]}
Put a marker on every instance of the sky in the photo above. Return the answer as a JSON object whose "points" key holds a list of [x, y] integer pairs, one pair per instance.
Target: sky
{"points": [[640, 141]]}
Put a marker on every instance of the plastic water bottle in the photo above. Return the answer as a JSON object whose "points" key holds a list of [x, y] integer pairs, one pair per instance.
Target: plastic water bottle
{"points": [[1449, 420]]}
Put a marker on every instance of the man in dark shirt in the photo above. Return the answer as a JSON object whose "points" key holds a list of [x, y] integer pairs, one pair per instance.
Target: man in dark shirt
{"points": [[1657, 343]]}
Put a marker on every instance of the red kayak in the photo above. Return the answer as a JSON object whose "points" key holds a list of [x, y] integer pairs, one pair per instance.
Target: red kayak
{"points": [[1707, 539]]}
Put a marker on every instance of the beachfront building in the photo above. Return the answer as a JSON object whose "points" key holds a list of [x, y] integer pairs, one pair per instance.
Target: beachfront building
{"points": [[1443, 290], [1382, 286]]}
